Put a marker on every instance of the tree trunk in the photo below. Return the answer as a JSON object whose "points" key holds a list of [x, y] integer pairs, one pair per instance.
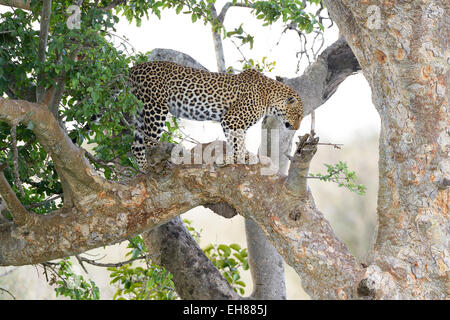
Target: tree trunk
{"points": [[402, 49]]}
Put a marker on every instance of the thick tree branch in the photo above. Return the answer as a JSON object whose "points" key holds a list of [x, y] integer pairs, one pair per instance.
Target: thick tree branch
{"points": [[113, 214], [114, 211], [21, 4], [194, 275], [318, 83], [401, 48], [298, 171], [145, 203], [69, 160], [18, 212], [266, 265], [329, 68], [273, 287]]}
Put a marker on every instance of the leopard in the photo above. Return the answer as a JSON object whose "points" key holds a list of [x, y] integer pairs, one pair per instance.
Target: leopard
{"points": [[236, 101]]}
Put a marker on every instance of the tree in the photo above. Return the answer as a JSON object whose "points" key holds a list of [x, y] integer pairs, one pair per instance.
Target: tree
{"points": [[399, 47]]}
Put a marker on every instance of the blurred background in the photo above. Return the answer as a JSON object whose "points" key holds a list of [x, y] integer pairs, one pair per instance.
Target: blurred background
{"points": [[347, 118]]}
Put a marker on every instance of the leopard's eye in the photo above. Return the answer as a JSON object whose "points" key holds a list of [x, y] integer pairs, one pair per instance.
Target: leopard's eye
{"points": [[291, 100], [287, 125]]}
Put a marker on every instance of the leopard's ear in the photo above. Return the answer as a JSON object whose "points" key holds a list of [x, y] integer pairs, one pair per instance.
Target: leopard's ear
{"points": [[291, 100]]}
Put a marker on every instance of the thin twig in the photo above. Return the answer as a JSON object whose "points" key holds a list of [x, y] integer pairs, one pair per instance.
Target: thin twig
{"points": [[81, 263], [51, 267], [335, 145], [240, 51], [8, 293], [114, 265], [123, 39], [186, 137]]}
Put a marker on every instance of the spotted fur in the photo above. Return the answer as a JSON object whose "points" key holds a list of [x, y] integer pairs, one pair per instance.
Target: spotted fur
{"points": [[236, 101]]}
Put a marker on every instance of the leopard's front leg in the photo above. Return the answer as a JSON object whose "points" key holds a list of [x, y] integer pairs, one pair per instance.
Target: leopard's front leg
{"points": [[236, 139], [235, 126]]}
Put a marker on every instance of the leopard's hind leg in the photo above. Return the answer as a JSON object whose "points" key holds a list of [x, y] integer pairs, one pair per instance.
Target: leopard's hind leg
{"points": [[149, 125]]}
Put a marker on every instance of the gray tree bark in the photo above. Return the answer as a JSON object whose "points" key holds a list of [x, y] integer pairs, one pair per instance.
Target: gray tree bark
{"points": [[194, 275], [402, 47]]}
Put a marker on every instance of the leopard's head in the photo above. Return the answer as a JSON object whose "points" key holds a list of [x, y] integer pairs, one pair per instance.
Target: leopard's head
{"points": [[293, 112], [289, 110]]}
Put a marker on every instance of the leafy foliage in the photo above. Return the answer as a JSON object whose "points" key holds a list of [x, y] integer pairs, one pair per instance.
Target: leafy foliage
{"points": [[96, 105], [154, 282], [173, 131], [230, 260], [150, 283], [263, 66], [73, 285], [340, 174], [287, 11]]}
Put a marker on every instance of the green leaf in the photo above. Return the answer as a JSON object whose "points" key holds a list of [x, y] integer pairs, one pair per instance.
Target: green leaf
{"points": [[179, 8], [235, 246], [225, 249]]}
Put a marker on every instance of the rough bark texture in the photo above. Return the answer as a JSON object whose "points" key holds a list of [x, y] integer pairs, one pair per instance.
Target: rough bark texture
{"points": [[403, 51], [266, 265], [194, 275], [16, 4], [322, 78]]}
